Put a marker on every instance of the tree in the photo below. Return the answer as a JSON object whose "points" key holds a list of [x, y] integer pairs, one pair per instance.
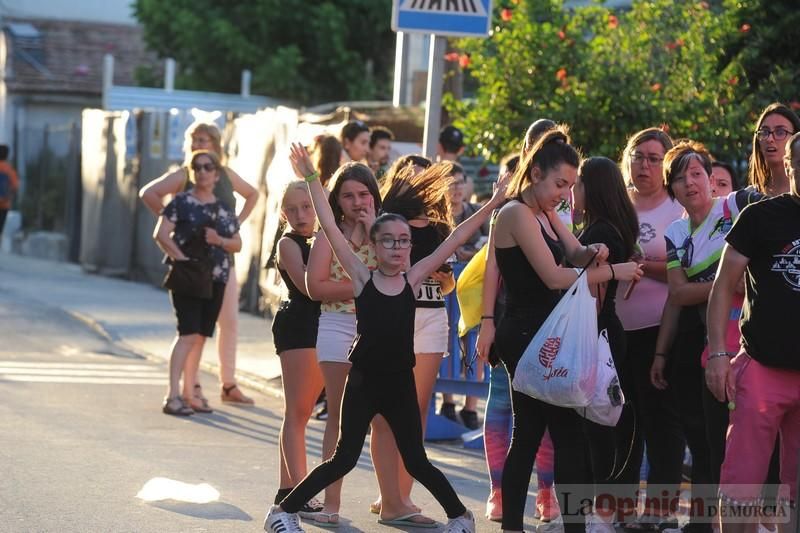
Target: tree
{"points": [[305, 51], [609, 74]]}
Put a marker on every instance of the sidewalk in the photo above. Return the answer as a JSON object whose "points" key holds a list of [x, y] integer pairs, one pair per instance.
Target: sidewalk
{"points": [[136, 317]]}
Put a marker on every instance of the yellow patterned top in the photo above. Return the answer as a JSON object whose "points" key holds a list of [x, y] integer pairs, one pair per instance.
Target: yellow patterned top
{"points": [[367, 255]]}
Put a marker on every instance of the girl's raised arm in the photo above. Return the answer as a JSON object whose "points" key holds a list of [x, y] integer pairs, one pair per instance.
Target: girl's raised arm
{"points": [[304, 169], [459, 236]]}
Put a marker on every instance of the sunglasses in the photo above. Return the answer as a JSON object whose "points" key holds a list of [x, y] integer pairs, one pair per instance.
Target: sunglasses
{"points": [[208, 167]]}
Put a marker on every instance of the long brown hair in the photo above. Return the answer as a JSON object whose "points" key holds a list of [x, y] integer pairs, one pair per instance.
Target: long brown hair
{"points": [[326, 155], [758, 173], [421, 195], [606, 198], [552, 149], [356, 172]]}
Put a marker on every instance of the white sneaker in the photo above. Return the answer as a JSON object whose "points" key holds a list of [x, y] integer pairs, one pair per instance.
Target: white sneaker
{"points": [[595, 524], [555, 525], [282, 522], [462, 524]]}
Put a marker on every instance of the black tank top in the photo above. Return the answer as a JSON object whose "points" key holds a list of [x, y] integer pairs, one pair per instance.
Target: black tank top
{"points": [[294, 293], [384, 339], [423, 243], [526, 293]]}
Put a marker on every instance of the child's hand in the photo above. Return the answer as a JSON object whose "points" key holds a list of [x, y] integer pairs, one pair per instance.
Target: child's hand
{"points": [[301, 161]]}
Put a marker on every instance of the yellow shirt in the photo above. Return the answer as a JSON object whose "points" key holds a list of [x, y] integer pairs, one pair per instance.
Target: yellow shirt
{"points": [[367, 255]]}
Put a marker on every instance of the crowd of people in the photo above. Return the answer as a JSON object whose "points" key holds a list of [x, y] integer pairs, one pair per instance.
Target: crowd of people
{"points": [[695, 276]]}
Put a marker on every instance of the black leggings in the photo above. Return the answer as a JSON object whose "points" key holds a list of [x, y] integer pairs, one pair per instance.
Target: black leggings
{"points": [[531, 418], [394, 396]]}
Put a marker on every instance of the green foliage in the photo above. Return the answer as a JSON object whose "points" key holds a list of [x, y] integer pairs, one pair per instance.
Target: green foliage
{"points": [[300, 50], [608, 74]]}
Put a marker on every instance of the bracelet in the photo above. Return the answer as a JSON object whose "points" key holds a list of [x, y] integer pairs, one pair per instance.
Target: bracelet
{"points": [[313, 176], [487, 317], [720, 354], [613, 275]]}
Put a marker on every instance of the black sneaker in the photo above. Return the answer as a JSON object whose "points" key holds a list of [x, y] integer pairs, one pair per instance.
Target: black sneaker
{"points": [[469, 418], [448, 410]]}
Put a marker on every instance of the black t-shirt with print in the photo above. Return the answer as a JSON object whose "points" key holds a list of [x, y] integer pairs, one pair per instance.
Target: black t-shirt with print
{"points": [[768, 233]]}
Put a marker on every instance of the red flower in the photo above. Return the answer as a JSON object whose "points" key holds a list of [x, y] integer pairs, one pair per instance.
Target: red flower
{"points": [[451, 56], [664, 127], [561, 74], [704, 5], [733, 81], [562, 35], [745, 28], [463, 60], [506, 14], [679, 42], [655, 87], [671, 46], [794, 104], [613, 21]]}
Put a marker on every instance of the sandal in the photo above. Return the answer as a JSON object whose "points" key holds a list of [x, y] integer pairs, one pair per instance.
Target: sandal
{"points": [[199, 404], [176, 406], [232, 394], [330, 519]]}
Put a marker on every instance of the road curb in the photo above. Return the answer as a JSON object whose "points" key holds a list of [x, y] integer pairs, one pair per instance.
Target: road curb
{"points": [[249, 380]]}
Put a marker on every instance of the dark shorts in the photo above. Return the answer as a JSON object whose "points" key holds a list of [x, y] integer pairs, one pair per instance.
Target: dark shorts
{"points": [[295, 326], [196, 315]]}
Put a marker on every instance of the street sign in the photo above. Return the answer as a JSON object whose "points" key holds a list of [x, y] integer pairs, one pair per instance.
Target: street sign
{"points": [[456, 18]]}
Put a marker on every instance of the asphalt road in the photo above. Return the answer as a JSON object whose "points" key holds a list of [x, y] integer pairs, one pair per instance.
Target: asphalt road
{"points": [[82, 436]]}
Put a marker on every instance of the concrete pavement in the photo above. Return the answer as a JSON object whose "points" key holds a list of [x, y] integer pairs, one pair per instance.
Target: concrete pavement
{"points": [[136, 317]]}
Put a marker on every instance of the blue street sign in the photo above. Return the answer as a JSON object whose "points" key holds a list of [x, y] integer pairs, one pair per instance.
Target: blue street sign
{"points": [[458, 18]]}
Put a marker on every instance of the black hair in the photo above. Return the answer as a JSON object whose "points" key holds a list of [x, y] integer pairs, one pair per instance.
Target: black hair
{"points": [[727, 166], [606, 198], [510, 162], [451, 139], [379, 133], [3, 152], [352, 129], [385, 217]]}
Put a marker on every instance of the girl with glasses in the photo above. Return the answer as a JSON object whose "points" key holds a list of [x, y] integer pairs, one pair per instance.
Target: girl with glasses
{"points": [[381, 380], [766, 172]]}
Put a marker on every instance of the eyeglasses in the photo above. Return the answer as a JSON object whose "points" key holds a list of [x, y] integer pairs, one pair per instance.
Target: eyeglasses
{"points": [[389, 243], [778, 134], [639, 158], [208, 167], [688, 251]]}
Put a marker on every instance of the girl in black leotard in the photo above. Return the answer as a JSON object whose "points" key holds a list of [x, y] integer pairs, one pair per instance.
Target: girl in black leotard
{"points": [[294, 330], [530, 245], [381, 379]]}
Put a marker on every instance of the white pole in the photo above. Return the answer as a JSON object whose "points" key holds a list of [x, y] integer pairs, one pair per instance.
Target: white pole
{"points": [[433, 106], [108, 77], [169, 75], [247, 76], [400, 92]]}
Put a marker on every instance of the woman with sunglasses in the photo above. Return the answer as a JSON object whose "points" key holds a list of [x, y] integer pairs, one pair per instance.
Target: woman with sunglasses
{"points": [[694, 247], [196, 220], [766, 172], [203, 136]]}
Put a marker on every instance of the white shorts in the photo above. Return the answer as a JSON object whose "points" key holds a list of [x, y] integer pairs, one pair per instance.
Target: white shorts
{"points": [[335, 336], [431, 330]]}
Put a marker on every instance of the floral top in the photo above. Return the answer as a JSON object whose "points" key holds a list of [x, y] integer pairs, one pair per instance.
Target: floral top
{"points": [[191, 216], [367, 255]]}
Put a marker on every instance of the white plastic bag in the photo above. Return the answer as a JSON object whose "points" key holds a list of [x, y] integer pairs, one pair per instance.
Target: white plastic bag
{"points": [[605, 408], [559, 366]]}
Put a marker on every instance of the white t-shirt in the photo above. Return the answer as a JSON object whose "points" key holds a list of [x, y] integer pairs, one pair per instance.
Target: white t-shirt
{"points": [[646, 304]]}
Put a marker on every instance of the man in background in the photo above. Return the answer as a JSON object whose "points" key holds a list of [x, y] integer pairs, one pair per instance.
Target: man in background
{"points": [[380, 146], [9, 184]]}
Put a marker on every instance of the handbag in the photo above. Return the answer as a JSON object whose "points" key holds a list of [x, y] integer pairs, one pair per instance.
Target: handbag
{"points": [[559, 366], [605, 407], [192, 277]]}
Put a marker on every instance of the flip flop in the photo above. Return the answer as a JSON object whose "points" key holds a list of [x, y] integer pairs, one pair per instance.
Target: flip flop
{"points": [[406, 521], [332, 519]]}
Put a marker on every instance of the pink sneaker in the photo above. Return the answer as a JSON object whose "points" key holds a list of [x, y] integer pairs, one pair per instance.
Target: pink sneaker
{"points": [[547, 505]]}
